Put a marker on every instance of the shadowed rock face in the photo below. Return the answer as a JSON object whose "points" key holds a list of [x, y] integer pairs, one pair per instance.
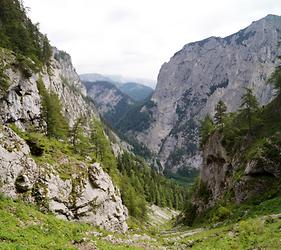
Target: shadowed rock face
{"points": [[232, 176], [87, 195], [197, 77]]}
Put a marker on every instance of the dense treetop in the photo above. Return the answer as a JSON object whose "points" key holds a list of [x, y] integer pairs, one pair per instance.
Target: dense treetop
{"points": [[20, 35]]}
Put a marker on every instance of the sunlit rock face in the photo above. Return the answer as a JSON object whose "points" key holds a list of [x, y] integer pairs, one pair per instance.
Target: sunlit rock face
{"points": [[197, 77], [87, 194], [21, 103]]}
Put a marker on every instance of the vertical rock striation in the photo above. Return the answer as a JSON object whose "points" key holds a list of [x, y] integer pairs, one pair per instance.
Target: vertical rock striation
{"points": [[197, 77]]}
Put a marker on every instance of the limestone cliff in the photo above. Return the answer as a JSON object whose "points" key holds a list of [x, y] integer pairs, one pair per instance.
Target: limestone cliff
{"points": [[85, 194], [21, 102], [74, 190], [197, 77], [249, 173]]}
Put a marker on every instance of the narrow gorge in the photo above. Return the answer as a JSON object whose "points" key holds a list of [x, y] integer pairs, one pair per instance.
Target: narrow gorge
{"points": [[101, 161]]}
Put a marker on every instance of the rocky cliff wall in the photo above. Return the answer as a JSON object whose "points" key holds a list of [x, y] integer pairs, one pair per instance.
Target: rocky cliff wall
{"points": [[197, 77], [20, 103], [232, 177], [74, 190]]}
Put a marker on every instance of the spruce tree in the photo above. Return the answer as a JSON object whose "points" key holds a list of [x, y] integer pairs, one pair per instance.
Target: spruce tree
{"points": [[207, 126], [57, 125], [249, 106], [220, 113]]}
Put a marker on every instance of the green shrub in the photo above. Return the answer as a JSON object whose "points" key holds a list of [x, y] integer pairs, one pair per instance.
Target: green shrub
{"points": [[4, 81], [35, 144], [220, 214], [190, 213], [206, 129]]}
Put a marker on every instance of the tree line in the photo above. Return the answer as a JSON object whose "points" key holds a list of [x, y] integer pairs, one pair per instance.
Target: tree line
{"points": [[140, 185]]}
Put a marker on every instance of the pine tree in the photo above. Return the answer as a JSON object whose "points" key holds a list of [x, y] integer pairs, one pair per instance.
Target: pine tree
{"points": [[220, 113], [206, 128], [57, 125], [79, 139], [249, 106], [20, 35], [46, 50]]}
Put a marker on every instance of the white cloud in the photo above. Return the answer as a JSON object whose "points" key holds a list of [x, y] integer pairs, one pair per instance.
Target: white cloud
{"points": [[135, 37]]}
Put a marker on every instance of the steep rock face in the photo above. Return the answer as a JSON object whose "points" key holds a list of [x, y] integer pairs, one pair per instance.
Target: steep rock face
{"points": [[21, 102], [197, 77], [18, 172], [232, 176], [65, 81], [111, 103], [86, 195]]}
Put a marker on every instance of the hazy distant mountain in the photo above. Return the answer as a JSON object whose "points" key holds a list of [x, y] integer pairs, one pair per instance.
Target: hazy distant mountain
{"points": [[95, 78], [136, 91], [116, 79]]}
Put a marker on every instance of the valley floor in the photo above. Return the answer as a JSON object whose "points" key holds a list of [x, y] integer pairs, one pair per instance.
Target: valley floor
{"points": [[23, 227]]}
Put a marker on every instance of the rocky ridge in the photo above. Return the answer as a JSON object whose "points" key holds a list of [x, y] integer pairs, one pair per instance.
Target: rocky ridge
{"points": [[197, 77], [87, 194], [231, 177]]}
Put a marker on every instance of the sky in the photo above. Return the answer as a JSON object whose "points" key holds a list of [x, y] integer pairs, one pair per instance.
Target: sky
{"points": [[134, 38]]}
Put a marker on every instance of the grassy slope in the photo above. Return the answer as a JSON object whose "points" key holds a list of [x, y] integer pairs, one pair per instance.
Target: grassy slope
{"points": [[23, 227], [248, 227]]}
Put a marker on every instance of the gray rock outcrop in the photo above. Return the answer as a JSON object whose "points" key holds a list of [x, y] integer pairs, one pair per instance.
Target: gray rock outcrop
{"points": [[18, 171], [197, 77], [232, 177], [21, 102], [86, 195]]}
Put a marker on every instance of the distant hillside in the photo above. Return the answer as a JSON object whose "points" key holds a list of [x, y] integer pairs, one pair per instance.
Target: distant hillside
{"points": [[136, 91], [137, 88], [93, 77], [111, 103]]}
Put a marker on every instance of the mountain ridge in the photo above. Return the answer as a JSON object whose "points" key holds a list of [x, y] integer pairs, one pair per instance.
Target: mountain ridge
{"points": [[117, 79], [197, 77]]}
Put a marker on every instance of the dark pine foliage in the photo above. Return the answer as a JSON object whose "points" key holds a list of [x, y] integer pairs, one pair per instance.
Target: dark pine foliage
{"points": [[20, 35], [150, 186], [57, 125]]}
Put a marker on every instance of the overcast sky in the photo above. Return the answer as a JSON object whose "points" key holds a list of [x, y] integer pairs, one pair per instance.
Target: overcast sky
{"points": [[135, 37]]}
